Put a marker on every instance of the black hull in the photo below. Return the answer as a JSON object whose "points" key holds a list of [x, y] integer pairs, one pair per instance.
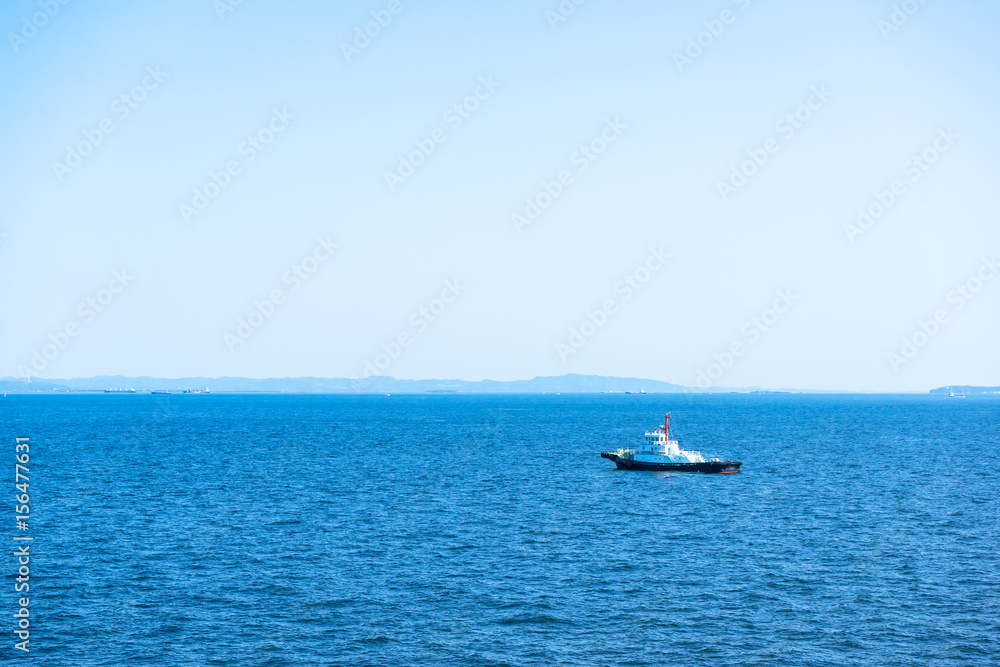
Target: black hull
{"points": [[706, 466]]}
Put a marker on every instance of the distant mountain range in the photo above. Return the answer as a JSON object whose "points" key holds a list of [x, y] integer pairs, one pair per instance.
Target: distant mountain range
{"points": [[571, 383]]}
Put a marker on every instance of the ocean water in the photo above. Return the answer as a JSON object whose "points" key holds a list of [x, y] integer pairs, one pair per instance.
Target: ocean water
{"points": [[486, 530]]}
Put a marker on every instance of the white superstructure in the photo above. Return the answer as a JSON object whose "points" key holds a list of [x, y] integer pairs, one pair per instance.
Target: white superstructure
{"points": [[656, 447]]}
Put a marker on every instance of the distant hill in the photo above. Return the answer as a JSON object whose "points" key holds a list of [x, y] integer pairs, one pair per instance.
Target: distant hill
{"points": [[571, 383], [965, 389]]}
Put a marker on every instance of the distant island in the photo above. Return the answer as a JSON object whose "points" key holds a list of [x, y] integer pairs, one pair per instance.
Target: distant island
{"points": [[965, 389], [571, 383], [378, 384]]}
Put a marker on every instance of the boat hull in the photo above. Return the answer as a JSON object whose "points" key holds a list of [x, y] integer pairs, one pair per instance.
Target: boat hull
{"points": [[704, 466]]}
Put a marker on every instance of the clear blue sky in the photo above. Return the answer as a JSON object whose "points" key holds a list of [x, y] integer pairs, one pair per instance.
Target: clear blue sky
{"points": [[672, 131]]}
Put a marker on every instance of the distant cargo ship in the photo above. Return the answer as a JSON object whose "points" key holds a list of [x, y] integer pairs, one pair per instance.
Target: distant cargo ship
{"points": [[197, 391], [159, 391], [658, 452]]}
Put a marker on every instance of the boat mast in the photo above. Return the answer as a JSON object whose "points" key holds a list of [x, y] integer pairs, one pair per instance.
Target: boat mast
{"points": [[666, 429]]}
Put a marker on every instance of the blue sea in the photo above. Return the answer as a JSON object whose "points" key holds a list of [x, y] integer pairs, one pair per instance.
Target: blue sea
{"points": [[487, 530]]}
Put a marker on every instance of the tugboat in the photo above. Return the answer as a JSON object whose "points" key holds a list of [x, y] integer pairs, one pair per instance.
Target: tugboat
{"points": [[658, 452]]}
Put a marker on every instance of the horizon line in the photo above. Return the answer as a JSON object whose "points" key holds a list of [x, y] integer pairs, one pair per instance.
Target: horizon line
{"points": [[376, 379]]}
